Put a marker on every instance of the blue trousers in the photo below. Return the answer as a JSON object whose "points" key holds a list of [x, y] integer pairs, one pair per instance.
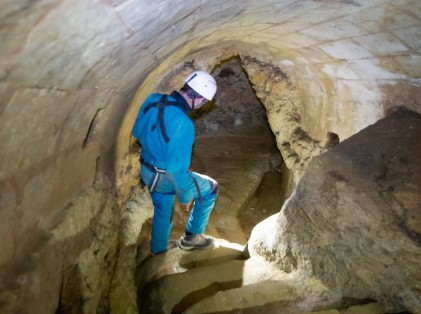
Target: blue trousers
{"points": [[199, 216]]}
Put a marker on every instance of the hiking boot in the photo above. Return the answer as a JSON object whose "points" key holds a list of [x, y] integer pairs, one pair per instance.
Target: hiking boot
{"points": [[195, 241]]}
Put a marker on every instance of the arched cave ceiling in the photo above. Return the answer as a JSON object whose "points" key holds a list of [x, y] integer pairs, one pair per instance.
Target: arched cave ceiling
{"points": [[69, 61], [69, 71]]}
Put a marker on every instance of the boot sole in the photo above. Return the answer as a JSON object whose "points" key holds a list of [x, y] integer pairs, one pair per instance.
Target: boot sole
{"points": [[191, 248], [186, 248]]}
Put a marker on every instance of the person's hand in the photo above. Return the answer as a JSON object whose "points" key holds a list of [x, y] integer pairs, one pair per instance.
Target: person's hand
{"points": [[185, 207]]}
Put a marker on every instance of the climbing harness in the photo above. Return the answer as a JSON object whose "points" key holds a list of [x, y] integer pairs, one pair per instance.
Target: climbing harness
{"points": [[161, 105], [156, 177], [197, 188], [158, 172]]}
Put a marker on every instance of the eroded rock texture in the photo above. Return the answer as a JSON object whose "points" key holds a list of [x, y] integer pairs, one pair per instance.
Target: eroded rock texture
{"points": [[282, 102], [71, 258], [354, 219], [236, 104], [68, 74]]}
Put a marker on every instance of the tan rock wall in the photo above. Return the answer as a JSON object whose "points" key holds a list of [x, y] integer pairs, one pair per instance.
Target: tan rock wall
{"points": [[69, 70], [352, 221]]}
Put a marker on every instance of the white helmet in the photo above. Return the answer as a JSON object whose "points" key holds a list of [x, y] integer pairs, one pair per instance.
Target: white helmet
{"points": [[202, 83]]}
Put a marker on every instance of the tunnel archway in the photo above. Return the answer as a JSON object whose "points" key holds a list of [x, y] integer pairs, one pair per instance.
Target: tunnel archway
{"points": [[277, 88], [230, 124], [69, 71], [283, 94]]}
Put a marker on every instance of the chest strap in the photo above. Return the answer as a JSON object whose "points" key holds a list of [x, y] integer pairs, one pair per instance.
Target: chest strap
{"points": [[161, 105]]}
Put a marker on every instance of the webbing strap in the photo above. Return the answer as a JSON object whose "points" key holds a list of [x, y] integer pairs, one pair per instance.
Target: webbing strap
{"points": [[156, 177], [162, 124], [161, 105], [199, 194]]}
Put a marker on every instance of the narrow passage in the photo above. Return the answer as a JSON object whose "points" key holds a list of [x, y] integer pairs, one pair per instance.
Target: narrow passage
{"points": [[246, 163]]}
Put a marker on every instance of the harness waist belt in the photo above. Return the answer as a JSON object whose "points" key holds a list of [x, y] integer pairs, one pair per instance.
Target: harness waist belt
{"points": [[157, 172], [151, 167]]}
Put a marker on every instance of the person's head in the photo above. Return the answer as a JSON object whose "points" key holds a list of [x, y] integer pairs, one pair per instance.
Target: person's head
{"points": [[199, 87]]}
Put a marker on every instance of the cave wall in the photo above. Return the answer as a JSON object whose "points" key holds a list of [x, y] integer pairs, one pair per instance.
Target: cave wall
{"points": [[235, 106], [354, 219], [69, 71]]}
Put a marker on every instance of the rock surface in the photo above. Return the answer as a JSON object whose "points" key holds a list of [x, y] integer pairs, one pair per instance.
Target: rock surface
{"points": [[222, 280], [238, 161], [68, 73], [236, 104], [354, 219]]}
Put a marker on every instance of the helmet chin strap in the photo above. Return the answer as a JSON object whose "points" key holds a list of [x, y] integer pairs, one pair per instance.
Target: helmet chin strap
{"points": [[204, 101], [193, 98], [193, 102]]}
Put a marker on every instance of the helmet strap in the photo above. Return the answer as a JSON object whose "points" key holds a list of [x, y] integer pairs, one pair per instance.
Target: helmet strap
{"points": [[192, 95], [193, 103]]}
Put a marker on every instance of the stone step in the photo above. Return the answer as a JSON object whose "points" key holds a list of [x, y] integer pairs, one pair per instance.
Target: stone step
{"points": [[222, 280], [280, 296], [177, 292], [177, 260], [166, 279], [371, 308], [263, 297]]}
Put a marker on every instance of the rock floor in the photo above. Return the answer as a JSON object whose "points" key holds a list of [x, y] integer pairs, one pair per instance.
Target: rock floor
{"points": [[223, 279], [240, 162]]}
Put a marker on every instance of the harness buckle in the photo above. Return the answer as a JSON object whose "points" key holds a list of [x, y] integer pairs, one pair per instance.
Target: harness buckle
{"points": [[157, 172]]}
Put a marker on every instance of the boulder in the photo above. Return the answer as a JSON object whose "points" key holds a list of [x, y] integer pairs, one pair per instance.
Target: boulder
{"points": [[354, 219]]}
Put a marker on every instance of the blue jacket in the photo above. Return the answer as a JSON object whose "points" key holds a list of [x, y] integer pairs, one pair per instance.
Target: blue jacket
{"points": [[174, 156]]}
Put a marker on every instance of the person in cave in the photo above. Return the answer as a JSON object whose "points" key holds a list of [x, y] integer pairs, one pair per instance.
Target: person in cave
{"points": [[166, 134]]}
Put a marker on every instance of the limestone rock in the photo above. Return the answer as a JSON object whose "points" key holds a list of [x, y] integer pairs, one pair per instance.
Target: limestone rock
{"points": [[222, 280], [354, 219], [69, 70], [236, 104], [237, 161], [281, 99], [71, 259]]}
